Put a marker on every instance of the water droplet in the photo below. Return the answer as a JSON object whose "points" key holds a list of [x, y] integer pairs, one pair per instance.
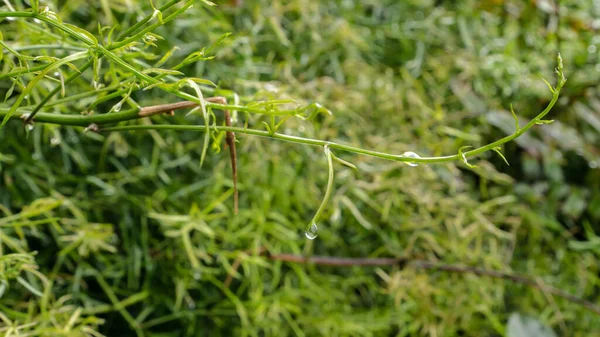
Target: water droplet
{"points": [[197, 275], [55, 141], [56, 74], [411, 154], [95, 84], [37, 21], [29, 127], [311, 231], [10, 18], [191, 305], [26, 97], [117, 107]]}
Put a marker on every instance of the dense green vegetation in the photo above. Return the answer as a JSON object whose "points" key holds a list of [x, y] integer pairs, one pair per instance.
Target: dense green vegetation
{"points": [[133, 231]]}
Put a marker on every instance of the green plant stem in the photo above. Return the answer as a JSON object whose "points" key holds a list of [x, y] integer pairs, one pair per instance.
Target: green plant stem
{"points": [[24, 70], [353, 149], [79, 120], [133, 29], [54, 91], [329, 188], [140, 34], [75, 120], [132, 114], [47, 47], [284, 137], [102, 50]]}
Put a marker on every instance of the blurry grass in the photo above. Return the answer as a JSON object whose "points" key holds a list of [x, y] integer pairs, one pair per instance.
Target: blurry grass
{"points": [[140, 239]]}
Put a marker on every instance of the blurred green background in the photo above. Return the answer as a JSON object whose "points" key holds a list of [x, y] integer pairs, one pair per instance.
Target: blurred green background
{"points": [[135, 238]]}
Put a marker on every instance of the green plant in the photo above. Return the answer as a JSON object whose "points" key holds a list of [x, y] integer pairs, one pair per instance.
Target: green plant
{"points": [[204, 246], [143, 81]]}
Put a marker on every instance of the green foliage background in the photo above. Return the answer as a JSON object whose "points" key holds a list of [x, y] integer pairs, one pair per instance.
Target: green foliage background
{"points": [[133, 236]]}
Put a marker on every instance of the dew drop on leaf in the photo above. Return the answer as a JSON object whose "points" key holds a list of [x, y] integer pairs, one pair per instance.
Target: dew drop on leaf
{"points": [[197, 275], [55, 141], [311, 231], [29, 127], [411, 154], [117, 107]]}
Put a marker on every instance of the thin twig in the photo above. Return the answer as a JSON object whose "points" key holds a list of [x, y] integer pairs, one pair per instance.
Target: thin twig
{"points": [[427, 265], [166, 108], [234, 267], [229, 138]]}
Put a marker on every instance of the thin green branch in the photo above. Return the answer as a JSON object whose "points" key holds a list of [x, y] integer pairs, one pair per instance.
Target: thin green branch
{"points": [[54, 91], [141, 33], [47, 47], [24, 70], [312, 229], [133, 29], [131, 114], [79, 120], [357, 150], [283, 137]]}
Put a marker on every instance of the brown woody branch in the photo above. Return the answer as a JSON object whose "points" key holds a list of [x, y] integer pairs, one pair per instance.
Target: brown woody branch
{"points": [[427, 265], [170, 108]]}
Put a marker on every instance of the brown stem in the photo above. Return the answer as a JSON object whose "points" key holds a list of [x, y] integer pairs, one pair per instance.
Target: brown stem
{"points": [[229, 138], [427, 265], [234, 266]]}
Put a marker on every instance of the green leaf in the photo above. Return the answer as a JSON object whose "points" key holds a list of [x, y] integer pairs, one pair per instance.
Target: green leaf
{"points": [[345, 163], [202, 81], [1, 48], [166, 56], [35, 5], [156, 13], [84, 33], [549, 85], [39, 77], [193, 85], [29, 287], [315, 109], [11, 89], [109, 40], [161, 71], [217, 43], [514, 115], [498, 151]]}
